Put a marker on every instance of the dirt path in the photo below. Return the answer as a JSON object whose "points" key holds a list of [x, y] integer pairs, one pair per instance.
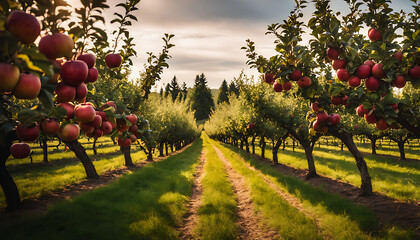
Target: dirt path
{"points": [[250, 225], [190, 220], [388, 210], [41, 204]]}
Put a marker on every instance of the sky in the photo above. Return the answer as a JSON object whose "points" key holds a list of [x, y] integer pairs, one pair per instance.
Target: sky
{"points": [[209, 34]]}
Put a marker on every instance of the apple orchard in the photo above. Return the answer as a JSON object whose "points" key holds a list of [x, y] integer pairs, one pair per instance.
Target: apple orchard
{"points": [[63, 78]]}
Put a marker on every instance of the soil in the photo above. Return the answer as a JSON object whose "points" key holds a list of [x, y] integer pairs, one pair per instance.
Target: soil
{"points": [[250, 224], [190, 219], [42, 203], [389, 211]]}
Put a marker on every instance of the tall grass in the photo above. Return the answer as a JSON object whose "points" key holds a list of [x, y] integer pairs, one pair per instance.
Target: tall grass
{"points": [[146, 204]]}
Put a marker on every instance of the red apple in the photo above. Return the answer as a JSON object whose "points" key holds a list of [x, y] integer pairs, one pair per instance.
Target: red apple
{"points": [[361, 111], [28, 87], [364, 71], [28, 134], [98, 133], [74, 72], [372, 84], [103, 115], [374, 35], [89, 135], [110, 104], [414, 72], [9, 77], [399, 82], [378, 71], [370, 63], [81, 92], [304, 82], [50, 126], [344, 100], [135, 128], [88, 58], [336, 100], [343, 75], [398, 55], [370, 118], [65, 92], [287, 86], [295, 75], [113, 60], [132, 118], [84, 112], [315, 107], [56, 46], [92, 75], [106, 128], [334, 119], [381, 124], [339, 63], [321, 117], [251, 126], [87, 127], [121, 125], [333, 53], [69, 108], [317, 125], [395, 106], [269, 78], [277, 87], [97, 121], [113, 123], [23, 26], [69, 132], [126, 142], [354, 81], [133, 138], [20, 150]]}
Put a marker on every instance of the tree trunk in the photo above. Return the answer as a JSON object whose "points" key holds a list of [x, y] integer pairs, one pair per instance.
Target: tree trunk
{"points": [[45, 149], [172, 148], [373, 145], [246, 145], [401, 147], [262, 147], [293, 145], [241, 145], [342, 146], [275, 151], [9, 187], [150, 156], [161, 150], [347, 139], [166, 149], [310, 159], [284, 145], [94, 146], [253, 144], [80, 152], [127, 156]]}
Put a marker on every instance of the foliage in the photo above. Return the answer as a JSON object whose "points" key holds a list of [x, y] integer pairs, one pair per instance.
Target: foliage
{"points": [[201, 98], [223, 93]]}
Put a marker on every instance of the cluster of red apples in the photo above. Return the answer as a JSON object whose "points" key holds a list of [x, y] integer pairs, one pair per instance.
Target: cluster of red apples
{"points": [[296, 75], [323, 120], [70, 84]]}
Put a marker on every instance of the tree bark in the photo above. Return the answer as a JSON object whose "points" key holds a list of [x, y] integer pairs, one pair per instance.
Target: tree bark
{"points": [[45, 149], [246, 145], [166, 149], [9, 187], [263, 147], [401, 147], [94, 146], [275, 151], [241, 145], [161, 150], [310, 159], [347, 139], [150, 156], [80, 152], [127, 156], [253, 144], [373, 145], [293, 145]]}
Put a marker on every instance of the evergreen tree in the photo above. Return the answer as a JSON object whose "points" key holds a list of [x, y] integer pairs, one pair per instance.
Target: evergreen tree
{"points": [[233, 88], [167, 90], [174, 88], [161, 92], [184, 90], [223, 93], [201, 98]]}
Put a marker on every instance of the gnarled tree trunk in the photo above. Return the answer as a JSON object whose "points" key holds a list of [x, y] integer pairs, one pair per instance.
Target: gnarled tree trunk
{"points": [[94, 146], [127, 156], [373, 145], [161, 150], [262, 147], [253, 144], [80, 152], [275, 151], [45, 149]]}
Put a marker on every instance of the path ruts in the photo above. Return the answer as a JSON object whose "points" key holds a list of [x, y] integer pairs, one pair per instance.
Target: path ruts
{"points": [[250, 225], [190, 219]]}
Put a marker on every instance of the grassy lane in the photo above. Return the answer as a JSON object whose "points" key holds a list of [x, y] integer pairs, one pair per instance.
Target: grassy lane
{"points": [[396, 179], [146, 204], [279, 214], [337, 217], [217, 214]]}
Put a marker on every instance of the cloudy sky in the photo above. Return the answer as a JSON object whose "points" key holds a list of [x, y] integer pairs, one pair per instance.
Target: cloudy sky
{"points": [[210, 33]]}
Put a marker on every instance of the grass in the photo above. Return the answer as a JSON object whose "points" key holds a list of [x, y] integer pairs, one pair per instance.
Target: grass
{"points": [[394, 178], [147, 204], [338, 217], [217, 214], [278, 213]]}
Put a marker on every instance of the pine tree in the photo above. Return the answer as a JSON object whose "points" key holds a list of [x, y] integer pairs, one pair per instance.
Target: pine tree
{"points": [[201, 98], [161, 92], [174, 88], [233, 88], [184, 90], [167, 90], [223, 93]]}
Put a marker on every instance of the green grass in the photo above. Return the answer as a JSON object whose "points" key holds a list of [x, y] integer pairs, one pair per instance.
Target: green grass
{"points": [[217, 214], [147, 204], [394, 178], [278, 213], [338, 217]]}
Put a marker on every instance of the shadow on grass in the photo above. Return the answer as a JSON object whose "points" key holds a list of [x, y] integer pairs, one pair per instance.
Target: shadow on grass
{"points": [[338, 205], [144, 205]]}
